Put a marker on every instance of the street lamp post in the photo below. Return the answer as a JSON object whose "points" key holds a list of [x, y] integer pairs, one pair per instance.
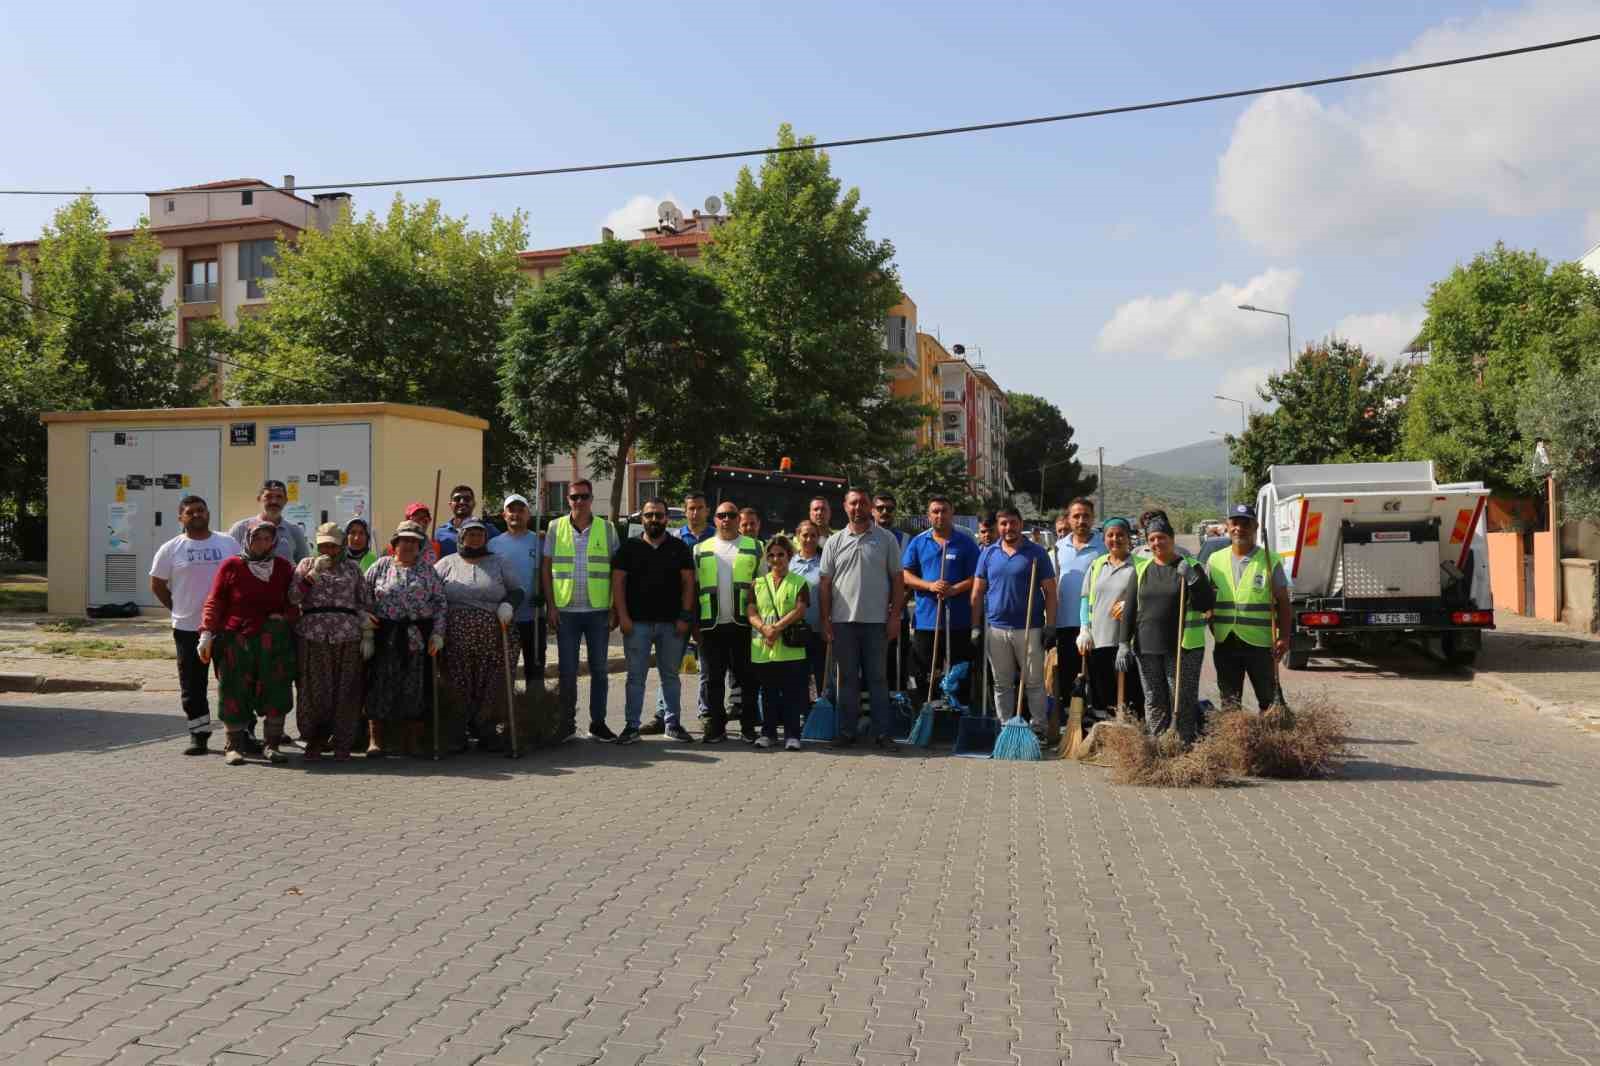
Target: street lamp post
{"points": [[1228, 492], [1287, 321], [1244, 427]]}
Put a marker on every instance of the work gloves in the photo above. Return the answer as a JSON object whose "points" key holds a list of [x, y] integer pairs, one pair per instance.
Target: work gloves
{"points": [[505, 613], [436, 644], [1124, 657], [1085, 642], [204, 649]]}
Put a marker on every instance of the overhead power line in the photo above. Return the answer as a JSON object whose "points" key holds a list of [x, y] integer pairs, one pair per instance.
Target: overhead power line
{"points": [[886, 138]]}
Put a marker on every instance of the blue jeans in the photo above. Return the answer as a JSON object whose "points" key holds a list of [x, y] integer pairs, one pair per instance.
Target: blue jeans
{"points": [[663, 637], [862, 648], [592, 628], [700, 706]]}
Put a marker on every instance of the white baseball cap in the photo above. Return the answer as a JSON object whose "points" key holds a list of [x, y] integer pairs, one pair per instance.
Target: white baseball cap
{"points": [[515, 497]]}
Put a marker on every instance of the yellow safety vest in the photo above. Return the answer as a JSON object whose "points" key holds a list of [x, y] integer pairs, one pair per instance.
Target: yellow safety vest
{"points": [[564, 563], [745, 565], [1194, 622], [772, 606], [1247, 610]]}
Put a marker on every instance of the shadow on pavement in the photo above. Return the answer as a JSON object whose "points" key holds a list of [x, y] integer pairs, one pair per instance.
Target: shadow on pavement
{"points": [[26, 730], [1366, 770]]}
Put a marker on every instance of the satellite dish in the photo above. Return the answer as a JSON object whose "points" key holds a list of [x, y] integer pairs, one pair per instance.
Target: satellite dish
{"points": [[713, 205], [668, 215]]}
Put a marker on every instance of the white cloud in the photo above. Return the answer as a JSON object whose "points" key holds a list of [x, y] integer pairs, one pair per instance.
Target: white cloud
{"points": [[1383, 334], [633, 216], [1241, 383], [1188, 325], [1512, 137]]}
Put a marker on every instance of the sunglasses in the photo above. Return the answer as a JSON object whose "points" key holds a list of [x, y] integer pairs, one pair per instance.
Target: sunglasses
{"points": [[462, 499], [579, 497], [728, 514]]}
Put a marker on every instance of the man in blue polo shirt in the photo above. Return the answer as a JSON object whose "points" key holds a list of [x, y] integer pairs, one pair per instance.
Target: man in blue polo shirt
{"points": [[1010, 574], [939, 565]]}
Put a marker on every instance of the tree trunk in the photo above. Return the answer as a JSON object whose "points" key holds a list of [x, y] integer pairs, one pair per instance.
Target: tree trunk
{"points": [[619, 478]]}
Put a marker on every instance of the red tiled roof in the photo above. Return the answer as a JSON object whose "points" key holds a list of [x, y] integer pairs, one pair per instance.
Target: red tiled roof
{"points": [[157, 231], [231, 183], [676, 240]]}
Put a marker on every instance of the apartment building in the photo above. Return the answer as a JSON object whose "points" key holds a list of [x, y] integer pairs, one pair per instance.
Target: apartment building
{"points": [[972, 416]]}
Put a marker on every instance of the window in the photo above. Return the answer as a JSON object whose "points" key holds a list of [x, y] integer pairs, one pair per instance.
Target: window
{"points": [[200, 285], [247, 197], [255, 265], [555, 497], [897, 333], [172, 205], [649, 488]]}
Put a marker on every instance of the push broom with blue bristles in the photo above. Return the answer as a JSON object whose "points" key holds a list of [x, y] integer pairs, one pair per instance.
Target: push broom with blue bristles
{"points": [[822, 721], [1016, 742], [922, 730]]}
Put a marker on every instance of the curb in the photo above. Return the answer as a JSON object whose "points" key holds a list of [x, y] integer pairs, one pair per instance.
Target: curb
{"points": [[40, 683]]}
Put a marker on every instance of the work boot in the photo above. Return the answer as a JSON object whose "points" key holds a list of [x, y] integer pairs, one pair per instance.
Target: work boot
{"points": [[199, 744], [375, 739], [655, 727], [230, 749]]}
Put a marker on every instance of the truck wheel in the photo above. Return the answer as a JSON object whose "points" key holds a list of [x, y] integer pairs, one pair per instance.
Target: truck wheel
{"points": [[1296, 660], [1459, 652]]}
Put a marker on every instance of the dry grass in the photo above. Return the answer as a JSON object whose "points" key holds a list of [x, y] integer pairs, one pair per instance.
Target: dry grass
{"points": [[104, 649], [1135, 759], [1306, 743]]}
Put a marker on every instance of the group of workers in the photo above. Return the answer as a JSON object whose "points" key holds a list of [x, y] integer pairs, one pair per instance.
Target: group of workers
{"points": [[343, 630]]}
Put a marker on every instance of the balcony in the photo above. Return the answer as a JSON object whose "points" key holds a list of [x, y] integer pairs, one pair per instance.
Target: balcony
{"points": [[200, 293]]}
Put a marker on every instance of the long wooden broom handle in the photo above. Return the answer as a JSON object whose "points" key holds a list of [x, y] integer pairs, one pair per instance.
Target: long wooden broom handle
{"points": [[938, 614], [1177, 677], [1027, 637]]}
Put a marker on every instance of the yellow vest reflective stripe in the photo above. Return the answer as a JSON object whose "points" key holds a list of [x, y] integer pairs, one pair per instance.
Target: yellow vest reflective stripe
{"points": [[771, 608], [1247, 610], [564, 563], [1194, 622], [745, 565]]}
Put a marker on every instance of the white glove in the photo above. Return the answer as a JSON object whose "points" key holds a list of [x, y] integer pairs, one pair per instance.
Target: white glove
{"points": [[436, 644], [1085, 642], [369, 645], [204, 650], [323, 564], [505, 613]]}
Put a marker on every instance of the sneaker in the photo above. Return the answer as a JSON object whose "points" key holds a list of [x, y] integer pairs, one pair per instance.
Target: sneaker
{"points": [[233, 757], [601, 731], [629, 735], [718, 736], [792, 744], [750, 738], [764, 742], [567, 732], [677, 732], [198, 744], [655, 727]]}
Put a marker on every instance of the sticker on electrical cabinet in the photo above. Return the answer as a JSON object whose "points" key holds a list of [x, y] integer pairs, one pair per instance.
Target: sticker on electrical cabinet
{"points": [[291, 490], [122, 490], [119, 526], [352, 501], [173, 481], [299, 514]]}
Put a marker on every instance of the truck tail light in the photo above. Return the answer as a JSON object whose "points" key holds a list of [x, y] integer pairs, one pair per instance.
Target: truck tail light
{"points": [[1472, 618], [1319, 619]]}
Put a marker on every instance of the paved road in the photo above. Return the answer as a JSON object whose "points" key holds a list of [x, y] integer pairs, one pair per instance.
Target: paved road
{"points": [[675, 905]]}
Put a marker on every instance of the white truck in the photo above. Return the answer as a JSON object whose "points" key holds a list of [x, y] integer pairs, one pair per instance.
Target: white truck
{"points": [[1374, 551]]}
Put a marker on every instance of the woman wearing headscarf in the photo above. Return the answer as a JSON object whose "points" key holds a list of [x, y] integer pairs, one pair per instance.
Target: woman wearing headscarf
{"points": [[483, 594], [358, 543], [245, 629], [334, 605], [418, 514], [409, 603], [1151, 633], [1103, 587]]}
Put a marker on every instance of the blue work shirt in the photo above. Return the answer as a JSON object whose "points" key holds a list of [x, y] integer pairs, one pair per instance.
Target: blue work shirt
{"points": [[811, 570], [521, 555], [447, 537], [1006, 598], [1072, 566], [687, 535], [922, 557]]}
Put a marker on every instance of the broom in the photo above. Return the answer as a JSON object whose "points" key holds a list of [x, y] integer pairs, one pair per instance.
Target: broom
{"points": [[1279, 703], [1017, 742], [1072, 739], [922, 729], [822, 722]]}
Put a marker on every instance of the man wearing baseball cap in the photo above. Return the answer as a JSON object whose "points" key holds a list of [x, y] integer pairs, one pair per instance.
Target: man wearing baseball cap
{"points": [[1251, 588], [519, 547]]}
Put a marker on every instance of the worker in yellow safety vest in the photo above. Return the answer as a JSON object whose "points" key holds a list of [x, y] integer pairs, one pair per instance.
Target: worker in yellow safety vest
{"points": [[1250, 586], [725, 568], [777, 650], [576, 575]]}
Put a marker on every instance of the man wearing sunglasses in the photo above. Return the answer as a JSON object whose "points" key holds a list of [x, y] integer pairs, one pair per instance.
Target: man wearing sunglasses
{"points": [[726, 567], [576, 574], [463, 501]]}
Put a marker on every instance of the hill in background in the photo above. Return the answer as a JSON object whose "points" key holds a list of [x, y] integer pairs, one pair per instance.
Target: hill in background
{"points": [[1130, 491], [1203, 459]]}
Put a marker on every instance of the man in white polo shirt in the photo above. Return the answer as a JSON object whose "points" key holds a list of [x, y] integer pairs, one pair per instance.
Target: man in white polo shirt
{"points": [[180, 577]]}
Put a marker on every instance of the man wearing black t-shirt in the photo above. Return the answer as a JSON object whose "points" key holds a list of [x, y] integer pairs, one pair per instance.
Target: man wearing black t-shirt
{"points": [[652, 586]]}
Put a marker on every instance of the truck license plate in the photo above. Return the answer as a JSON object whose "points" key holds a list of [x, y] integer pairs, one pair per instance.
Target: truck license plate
{"points": [[1395, 618]]}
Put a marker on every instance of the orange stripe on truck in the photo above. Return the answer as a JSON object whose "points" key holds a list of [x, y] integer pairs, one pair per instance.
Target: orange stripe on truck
{"points": [[1463, 523], [1314, 529]]}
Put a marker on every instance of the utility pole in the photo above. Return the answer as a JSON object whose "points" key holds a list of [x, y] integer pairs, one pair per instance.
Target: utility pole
{"points": [[1102, 481]]}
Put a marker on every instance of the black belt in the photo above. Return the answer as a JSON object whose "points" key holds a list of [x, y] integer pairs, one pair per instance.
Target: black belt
{"points": [[327, 610]]}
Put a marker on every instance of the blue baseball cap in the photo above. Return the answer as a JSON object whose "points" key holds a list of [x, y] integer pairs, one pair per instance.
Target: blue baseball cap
{"points": [[1242, 510]]}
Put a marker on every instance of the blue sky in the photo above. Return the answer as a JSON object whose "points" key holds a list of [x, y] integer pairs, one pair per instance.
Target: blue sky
{"points": [[1096, 263]]}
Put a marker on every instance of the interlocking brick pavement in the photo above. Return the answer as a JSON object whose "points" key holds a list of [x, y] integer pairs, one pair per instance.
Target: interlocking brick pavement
{"points": [[665, 905]]}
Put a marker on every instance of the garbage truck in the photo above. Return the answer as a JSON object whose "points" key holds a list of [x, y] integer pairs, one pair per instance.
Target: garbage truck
{"points": [[1376, 552]]}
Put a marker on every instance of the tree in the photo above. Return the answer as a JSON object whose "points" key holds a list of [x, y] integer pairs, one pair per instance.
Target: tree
{"points": [[913, 475], [1563, 409], [625, 347], [811, 291], [1039, 435], [408, 308], [1492, 325], [1337, 405], [91, 334]]}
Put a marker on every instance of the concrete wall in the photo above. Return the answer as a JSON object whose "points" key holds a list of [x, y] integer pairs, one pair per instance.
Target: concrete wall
{"points": [[408, 445], [1580, 594], [1580, 539], [1506, 578]]}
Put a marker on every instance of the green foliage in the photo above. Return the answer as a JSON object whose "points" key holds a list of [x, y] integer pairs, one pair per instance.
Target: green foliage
{"points": [[1338, 405], [1564, 410], [1038, 434], [1492, 326], [915, 474], [1130, 491], [97, 338], [811, 291], [626, 347], [407, 308]]}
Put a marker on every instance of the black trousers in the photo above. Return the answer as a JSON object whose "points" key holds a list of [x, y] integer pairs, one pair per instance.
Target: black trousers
{"points": [[531, 637], [1103, 683], [783, 695], [192, 676], [960, 651], [1234, 660], [1068, 663], [725, 648]]}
